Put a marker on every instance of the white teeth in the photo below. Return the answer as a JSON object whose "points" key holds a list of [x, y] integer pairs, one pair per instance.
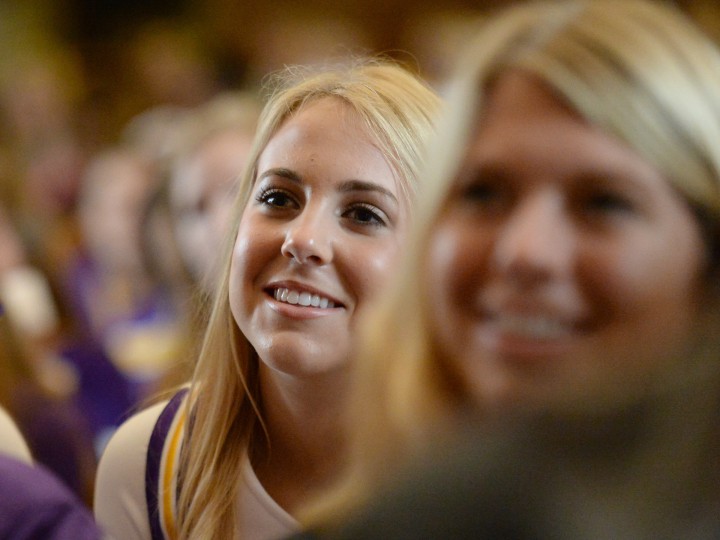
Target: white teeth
{"points": [[304, 298], [533, 327]]}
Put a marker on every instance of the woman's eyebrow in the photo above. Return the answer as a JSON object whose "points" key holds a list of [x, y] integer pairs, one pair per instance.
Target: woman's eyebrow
{"points": [[346, 187], [283, 173], [363, 185]]}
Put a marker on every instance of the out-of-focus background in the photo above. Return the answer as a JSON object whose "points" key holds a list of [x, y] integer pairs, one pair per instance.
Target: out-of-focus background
{"points": [[123, 125]]}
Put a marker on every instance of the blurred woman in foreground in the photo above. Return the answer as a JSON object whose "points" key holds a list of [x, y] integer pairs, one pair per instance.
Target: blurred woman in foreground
{"points": [[563, 271]]}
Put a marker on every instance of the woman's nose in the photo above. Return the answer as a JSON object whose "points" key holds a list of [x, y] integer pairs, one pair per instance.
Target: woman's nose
{"points": [[308, 239], [536, 243]]}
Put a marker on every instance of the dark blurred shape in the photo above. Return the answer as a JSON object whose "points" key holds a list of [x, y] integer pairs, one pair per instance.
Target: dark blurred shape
{"points": [[100, 20], [647, 472], [34, 505]]}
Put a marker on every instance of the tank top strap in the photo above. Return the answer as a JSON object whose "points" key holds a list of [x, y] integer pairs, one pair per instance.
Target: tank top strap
{"points": [[163, 457]]}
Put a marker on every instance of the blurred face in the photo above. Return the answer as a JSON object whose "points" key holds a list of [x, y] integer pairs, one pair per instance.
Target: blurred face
{"points": [[202, 192], [319, 235], [563, 266], [111, 213]]}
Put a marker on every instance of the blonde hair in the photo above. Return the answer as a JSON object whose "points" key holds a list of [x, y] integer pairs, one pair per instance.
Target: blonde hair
{"points": [[398, 111], [636, 69]]}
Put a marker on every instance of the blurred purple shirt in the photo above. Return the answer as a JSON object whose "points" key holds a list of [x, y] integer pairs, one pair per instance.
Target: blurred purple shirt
{"points": [[34, 505]]}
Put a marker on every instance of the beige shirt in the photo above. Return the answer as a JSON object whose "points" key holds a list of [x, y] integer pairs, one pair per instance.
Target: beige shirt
{"points": [[120, 505]]}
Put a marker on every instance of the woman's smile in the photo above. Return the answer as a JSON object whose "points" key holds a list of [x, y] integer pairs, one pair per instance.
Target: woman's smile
{"points": [[304, 298], [301, 301]]}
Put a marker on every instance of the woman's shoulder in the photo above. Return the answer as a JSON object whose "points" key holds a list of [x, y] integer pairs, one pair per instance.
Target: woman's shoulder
{"points": [[131, 439], [120, 504], [132, 436]]}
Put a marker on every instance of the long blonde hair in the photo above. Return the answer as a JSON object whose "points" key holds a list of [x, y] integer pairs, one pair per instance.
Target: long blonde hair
{"points": [[398, 111], [636, 69]]}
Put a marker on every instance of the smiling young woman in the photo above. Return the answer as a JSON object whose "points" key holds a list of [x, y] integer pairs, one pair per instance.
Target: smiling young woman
{"points": [[320, 218], [563, 264]]}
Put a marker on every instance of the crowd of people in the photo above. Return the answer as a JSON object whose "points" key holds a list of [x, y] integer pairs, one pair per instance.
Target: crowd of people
{"points": [[365, 300]]}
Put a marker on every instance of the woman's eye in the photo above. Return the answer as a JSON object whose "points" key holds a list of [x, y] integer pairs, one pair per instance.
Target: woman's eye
{"points": [[366, 214], [276, 198], [484, 195], [608, 202], [480, 191]]}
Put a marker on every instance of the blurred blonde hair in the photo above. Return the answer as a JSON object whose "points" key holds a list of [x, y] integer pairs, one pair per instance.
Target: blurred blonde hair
{"points": [[398, 111], [638, 70], [227, 111]]}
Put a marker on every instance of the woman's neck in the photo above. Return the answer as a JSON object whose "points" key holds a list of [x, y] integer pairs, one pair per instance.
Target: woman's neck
{"points": [[302, 450]]}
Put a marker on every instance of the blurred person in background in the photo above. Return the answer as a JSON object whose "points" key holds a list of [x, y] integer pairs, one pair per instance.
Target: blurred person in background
{"points": [[187, 217], [128, 317], [210, 155], [209, 151], [129, 320], [42, 154], [38, 386], [563, 277], [317, 223]]}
